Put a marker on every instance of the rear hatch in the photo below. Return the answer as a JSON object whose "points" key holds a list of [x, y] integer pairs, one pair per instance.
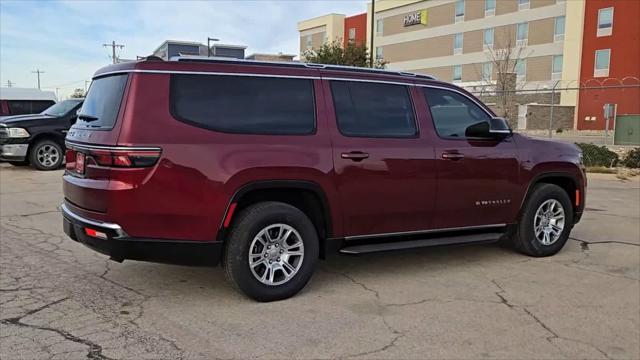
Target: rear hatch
{"points": [[95, 164]]}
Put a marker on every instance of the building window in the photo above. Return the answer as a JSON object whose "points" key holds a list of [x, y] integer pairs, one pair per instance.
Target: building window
{"points": [[605, 22], [325, 38], [457, 73], [556, 67], [379, 52], [457, 44], [379, 27], [523, 4], [459, 11], [601, 68], [309, 42], [489, 7], [558, 33], [352, 35], [522, 34], [521, 69], [487, 69], [487, 42]]}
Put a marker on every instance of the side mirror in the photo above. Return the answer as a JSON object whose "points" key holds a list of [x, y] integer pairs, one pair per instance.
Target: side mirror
{"points": [[495, 128], [499, 127]]}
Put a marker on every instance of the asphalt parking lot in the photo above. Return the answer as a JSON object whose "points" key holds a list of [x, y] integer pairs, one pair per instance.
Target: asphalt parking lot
{"points": [[59, 300]]}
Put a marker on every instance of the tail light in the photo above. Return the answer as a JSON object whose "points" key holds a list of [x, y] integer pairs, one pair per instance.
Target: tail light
{"points": [[117, 157]]}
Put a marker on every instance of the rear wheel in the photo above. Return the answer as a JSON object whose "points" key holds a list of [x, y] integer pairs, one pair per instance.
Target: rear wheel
{"points": [[271, 251], [46, 155], [545, 223]]}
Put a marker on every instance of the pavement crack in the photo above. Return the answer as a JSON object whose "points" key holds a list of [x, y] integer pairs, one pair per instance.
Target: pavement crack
{"points": [[32, 214], [95, 350], [500, 295], [554, 335], [583, 242]]}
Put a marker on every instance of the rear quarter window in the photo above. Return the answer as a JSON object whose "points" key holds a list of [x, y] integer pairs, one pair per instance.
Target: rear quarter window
{"points": [[102, 103], [244, 104]]}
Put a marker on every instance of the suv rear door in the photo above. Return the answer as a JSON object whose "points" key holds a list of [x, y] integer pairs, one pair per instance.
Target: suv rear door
{"points": [[477, 178], [384, 171]]}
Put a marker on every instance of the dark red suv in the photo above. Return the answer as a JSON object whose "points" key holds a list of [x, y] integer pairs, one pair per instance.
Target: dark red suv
{"points": [[268, 167]]}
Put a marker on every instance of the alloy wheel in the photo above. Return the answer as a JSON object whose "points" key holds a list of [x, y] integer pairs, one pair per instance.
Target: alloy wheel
{"points": [[47, 155], [549, 222], [276, 254]]}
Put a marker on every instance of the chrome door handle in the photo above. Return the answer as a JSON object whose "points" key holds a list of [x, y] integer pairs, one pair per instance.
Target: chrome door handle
{"points": [[355, 155], [452, 156]]}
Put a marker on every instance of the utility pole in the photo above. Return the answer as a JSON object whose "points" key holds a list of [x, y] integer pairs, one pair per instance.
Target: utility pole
{"points": [[57, 96], [38, 72], [9, 83], [113, 46], [85, 85], [373, 22]]}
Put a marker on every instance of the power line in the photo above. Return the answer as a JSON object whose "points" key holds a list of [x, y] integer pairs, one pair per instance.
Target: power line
{"points": [[113, 46], [38, 72]]}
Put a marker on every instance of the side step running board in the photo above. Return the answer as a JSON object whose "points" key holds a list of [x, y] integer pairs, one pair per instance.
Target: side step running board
{"points": [[412, 244]]}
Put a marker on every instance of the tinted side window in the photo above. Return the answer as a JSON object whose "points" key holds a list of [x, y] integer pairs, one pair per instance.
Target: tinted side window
{"points": [[452, 113], [241, 104], [373, 109]]}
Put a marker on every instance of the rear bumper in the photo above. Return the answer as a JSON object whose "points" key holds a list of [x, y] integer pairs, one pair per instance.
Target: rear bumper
{"points": [[115, 243]]}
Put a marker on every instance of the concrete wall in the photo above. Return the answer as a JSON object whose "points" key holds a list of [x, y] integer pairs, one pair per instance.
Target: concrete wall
{"points": [[538, 117]]}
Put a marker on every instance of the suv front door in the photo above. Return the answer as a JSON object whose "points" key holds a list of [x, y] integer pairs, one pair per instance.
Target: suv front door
{"points": [[384, 171], [477, 177]]}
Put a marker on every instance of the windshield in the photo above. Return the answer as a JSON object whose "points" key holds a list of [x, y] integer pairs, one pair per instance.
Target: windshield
{"points": [[101, 106], [61, 108]]}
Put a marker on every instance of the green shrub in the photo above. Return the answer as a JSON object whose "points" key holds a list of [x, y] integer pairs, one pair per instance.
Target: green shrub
{"points": [[632, 159], [594, 155]]}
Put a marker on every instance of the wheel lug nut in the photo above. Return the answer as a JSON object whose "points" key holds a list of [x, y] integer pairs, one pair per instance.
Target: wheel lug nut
{"points": [[281, 251], [270, 261], [276, 245], [268, 246], [278, 259]]}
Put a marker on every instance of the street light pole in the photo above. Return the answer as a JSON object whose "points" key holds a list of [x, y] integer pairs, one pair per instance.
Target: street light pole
{"points": [[373, 22], [209, 40]]}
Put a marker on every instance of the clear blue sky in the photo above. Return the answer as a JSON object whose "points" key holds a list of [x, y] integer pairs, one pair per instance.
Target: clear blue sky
{"points": [[64, 38]]}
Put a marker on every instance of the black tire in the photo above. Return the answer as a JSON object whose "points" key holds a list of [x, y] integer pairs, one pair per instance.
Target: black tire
{"points": [[19, 163], [247, 225], [39, 161], [524, 238]]}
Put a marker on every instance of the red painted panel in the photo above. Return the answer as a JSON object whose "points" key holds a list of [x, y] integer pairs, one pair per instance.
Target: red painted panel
{"points": [[624, 62], [359, 22]]}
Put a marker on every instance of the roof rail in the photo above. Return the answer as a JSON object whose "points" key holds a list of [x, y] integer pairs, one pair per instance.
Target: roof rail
{"points": [[223, 60]]}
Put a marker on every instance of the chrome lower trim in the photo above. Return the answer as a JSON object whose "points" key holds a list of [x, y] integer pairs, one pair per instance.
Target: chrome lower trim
{"points": [[105, 225], [418, 232], [75, 146]]}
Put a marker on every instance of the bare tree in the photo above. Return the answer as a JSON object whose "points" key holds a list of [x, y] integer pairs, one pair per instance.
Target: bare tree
{"points": [[504, 58]]}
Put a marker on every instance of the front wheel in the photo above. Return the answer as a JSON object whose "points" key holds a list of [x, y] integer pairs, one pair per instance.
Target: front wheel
{"points": [[46, 155], [271, 251], [545, 223]]}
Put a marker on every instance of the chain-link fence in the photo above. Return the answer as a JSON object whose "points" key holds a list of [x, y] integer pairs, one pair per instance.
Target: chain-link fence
{"points": [[571, 111]]}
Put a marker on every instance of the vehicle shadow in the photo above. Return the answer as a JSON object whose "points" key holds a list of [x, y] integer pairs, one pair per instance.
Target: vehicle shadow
{"points": [[210, 282]]}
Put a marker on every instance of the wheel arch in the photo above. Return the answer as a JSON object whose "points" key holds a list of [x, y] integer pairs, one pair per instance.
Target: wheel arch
{"points": [[568, 181], [305, 195], [46, 136]]}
